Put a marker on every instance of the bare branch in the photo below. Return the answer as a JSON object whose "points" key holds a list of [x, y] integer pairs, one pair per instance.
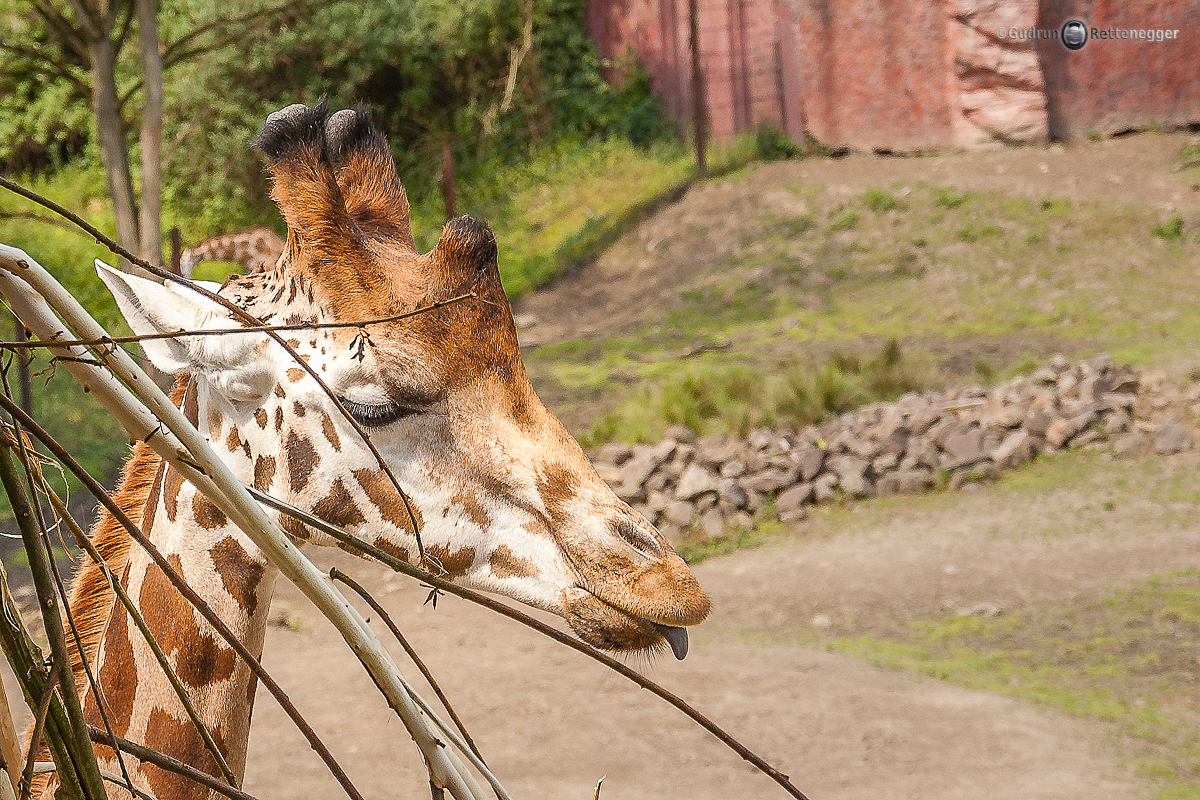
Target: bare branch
{"points": [[244, 20], [66, 30], [338, 575], [575, 644], [29, 215], [47, 66], [148, 755]]}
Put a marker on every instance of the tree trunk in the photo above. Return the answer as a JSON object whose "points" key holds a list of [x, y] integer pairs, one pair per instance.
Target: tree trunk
{"points": [[114, 151], [152, 133]]}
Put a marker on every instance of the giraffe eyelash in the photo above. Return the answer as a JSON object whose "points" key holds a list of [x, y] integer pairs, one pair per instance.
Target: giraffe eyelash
{"points": [[376, 415]]}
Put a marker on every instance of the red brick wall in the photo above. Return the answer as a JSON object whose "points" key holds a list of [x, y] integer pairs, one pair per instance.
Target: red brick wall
{"points": [[912, 74], [1117, 84]]}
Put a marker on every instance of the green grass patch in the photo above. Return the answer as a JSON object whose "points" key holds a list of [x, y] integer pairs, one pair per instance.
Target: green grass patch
{"points": [[1169, 230], [1126, 659]]}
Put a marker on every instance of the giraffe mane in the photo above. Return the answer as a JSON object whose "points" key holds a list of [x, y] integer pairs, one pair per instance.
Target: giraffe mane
{"points": [[91, 597]]}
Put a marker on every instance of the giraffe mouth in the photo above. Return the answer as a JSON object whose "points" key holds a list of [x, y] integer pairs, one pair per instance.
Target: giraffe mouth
{"points": [[602, 624]]}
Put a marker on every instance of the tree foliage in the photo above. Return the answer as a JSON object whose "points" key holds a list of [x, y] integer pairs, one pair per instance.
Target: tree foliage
{"points": [[488, 77]]}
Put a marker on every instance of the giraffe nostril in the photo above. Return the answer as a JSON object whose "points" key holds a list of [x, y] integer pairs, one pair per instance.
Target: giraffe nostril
{"points": [[639, 539]]}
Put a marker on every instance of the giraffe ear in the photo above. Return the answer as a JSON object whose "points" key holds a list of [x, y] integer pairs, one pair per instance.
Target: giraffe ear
{"points": [[234, 363]]}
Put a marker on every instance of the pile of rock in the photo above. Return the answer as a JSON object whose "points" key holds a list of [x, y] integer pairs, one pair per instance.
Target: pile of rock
{"points": [[714, 484]]}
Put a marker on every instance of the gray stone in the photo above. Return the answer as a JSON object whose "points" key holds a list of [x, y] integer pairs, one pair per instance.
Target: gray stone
{"points": [[1116, 422], [1063, 430], [1058, 362], [731, 492], [739, 521], [823, 488], [658, 501], [885, 462], [964, 444], [1084, 438], [851, 474], [1014, 450], [888, 485], [658, 481], [645, 459], [811, 462], [914, 480], [681, 433], [1038, 421], [771, 479], [790, 502], [678, 513], [733, 468], [1044, 375], [1010, 416], [609, 474], [694, 481], [705, 501], [615, 453], [760, 439], [712, 451], [1171, 437], [1133, 445]]}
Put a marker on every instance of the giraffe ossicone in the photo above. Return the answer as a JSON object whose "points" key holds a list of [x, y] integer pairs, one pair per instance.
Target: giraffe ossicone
{"points": [[505, 499]]}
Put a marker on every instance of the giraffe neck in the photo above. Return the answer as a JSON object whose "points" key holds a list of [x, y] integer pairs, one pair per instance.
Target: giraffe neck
{"points": [[255, 249], [225, 569]]}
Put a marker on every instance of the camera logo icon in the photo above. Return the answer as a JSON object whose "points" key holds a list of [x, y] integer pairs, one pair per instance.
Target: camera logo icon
{"points": [[1074, 34]]}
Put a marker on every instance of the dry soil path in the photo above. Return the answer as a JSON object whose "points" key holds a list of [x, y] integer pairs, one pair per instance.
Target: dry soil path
{"points": [[551, 723]]}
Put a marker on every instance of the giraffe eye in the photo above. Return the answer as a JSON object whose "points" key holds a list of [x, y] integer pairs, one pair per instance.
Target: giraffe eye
{"points": [[376, 415]]}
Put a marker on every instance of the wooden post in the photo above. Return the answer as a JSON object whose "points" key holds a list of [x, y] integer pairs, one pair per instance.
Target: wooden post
{"points": [[448, 193], [699, 105], [176, 250]]}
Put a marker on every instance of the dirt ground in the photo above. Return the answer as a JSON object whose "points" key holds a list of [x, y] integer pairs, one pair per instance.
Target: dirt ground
{"points": [[552, 723]]}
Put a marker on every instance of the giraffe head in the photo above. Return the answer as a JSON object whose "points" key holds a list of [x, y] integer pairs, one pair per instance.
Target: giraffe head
{"points": [[505, 499]]}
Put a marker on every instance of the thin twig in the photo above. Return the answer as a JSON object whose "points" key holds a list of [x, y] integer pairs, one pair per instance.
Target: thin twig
{"points": [[42, 767], [39, 723], [541, 627], [302, 326], [148, 755], [101, 495], [338, 575]]}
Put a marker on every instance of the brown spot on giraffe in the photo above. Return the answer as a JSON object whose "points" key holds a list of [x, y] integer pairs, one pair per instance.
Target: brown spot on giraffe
{"points": [[171, 488], [206, 513], [455, 564], [338, 507], [556, 485], [278, 418], [264, 472], [505, 563], [260, 416], [279, 390], [239, 573], [470, 504], [301, 459], [233, 442], [331, 434], [295, 374], [179, 739], [298, 408], [118, 673], [215, 422], [383, 495], [392, 549], [199, 658]]}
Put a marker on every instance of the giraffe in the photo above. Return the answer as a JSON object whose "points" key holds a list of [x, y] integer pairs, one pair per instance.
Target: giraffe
{"points": [[256, 249], [505, 499]]}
